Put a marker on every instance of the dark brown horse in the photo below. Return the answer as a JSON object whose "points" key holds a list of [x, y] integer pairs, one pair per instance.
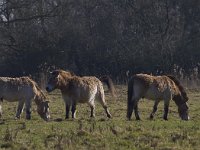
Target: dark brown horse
{"points": [[156, 88]]}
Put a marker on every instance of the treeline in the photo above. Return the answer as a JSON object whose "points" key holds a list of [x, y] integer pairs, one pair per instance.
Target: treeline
{"points": [[95, 37]]}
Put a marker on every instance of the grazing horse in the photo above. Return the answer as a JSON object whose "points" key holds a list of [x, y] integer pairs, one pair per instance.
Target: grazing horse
{"points": [[156, 88], [77, 89], [23, 90]]}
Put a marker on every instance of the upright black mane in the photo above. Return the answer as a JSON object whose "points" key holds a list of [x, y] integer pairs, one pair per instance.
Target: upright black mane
{"points": [[181, 88]]}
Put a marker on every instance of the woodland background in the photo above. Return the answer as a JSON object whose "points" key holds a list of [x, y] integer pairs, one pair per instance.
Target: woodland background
{"points": [[93, 37]]}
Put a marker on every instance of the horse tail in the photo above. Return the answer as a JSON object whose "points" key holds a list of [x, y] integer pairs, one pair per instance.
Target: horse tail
{"points": [[108, 81], [130, 89], [130, 96]]}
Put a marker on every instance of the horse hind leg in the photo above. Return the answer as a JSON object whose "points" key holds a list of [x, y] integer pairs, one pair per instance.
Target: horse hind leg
{"points": [[154, 109], [107, 111], [19, 109], [103, 103], [92, 107], [135, 107], [1, 111]]}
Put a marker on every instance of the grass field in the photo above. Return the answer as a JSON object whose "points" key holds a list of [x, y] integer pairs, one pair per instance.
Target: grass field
{"points": [[101, 132]]}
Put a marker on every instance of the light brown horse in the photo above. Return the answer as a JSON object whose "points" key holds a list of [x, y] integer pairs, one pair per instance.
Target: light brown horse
{"points": [[156, 88], [23, 90], [77, 89]]}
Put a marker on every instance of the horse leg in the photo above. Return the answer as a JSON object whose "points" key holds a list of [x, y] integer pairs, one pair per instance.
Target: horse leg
{"points": [[67, 109], [103, 103], [154, 109], [67, 101], [73, 110], [92, 107], [28, 109], [19, 109], [107, 111], [0, 110], [166, 109], [135, 107]]}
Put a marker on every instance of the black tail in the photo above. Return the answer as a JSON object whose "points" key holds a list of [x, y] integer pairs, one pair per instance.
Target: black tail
{"points": [[129, 100], [108, 81]]}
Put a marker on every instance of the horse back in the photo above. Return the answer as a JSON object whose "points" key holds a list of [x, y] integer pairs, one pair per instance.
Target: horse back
{"points": [[84, 88], [153, 87], [13, 89]]}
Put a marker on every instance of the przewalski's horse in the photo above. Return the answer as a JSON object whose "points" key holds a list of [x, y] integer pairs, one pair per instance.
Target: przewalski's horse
{"points": [[77, 89], [23, 90], [156, 88]]}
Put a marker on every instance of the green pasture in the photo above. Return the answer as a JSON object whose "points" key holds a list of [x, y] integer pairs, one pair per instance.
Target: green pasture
{"points": [[101, 132]]}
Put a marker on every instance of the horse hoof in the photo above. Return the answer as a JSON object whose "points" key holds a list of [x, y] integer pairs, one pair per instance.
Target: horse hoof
{"points": [[151, 117], [165, 119], [28, 118], [138, 119], [66, 118], [17, 118], [92, 116], [109, 116]]}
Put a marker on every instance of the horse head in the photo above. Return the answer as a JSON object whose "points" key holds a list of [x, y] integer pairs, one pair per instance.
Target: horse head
{"points": [[43, 110], [57, 78], [182, 104]]}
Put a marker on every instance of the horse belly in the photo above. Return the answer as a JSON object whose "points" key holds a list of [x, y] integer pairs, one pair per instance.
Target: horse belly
{"points": [[87, 95], [15, 94], [153, 94]]}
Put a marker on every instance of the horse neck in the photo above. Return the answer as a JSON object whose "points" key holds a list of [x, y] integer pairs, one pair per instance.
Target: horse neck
{"points": [[178, 100], [39, 97], [64, 82]]}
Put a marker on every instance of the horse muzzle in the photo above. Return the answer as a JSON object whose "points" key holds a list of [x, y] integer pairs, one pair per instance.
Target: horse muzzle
{"points": [[49, 88]]}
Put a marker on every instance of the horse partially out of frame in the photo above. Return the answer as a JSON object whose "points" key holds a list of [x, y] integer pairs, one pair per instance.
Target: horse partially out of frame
{"points": [[156, 88], [77, 89], [24, 90]]}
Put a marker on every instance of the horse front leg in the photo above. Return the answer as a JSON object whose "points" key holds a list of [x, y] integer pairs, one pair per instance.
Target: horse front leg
{"points": [[73, 110], [67, 109], [166, 109], [19, 109], [154, 109], [28, 109]]}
